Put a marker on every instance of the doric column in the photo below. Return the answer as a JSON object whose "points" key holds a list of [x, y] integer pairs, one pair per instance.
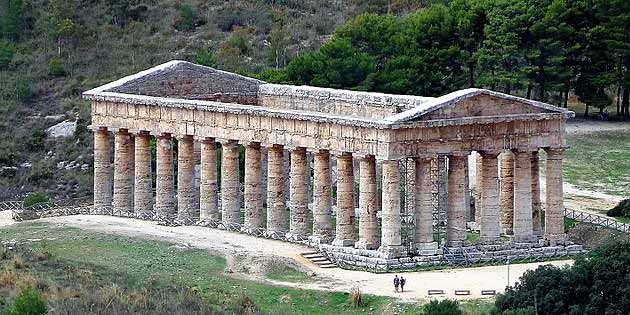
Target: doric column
{"points": [[298, 188], [478, 183], [523, 197], [322, 197], [185, 179], [123, 186], [276, 203], [536, 217], [368, 201], [230, 208], [345, 201], [490, 220], [164, 185], [143, 187], [253, 192], [102, 169], [208, 201], [456, 223], [554, 214], [424, 206], [507, 191], [391, 242]]}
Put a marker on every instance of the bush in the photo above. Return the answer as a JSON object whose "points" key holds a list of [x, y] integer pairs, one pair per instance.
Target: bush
{"points": [[205, 57], [6, 54], [620, 210], [444, 307], [356, 297], [186, 20], [28, 302], [55, 67], [35, 198]]}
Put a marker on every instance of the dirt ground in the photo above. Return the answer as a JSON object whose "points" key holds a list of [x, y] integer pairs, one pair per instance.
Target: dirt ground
{"points": [[247, 257]]}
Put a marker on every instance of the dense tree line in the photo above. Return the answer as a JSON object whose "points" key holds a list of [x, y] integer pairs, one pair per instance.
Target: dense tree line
{"points": [[540, 49]]}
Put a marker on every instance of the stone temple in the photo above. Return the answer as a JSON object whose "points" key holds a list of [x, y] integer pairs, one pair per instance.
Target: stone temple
{"points": [[366, 178]]}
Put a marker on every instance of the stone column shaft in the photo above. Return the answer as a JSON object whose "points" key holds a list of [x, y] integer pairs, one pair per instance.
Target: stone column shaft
{"points": [[298, 187], [345, 201], [209, 209], [554, 214], [490, 220], [186, 180], [456, 223], [123, 170], [276, 203], [102, 169], [322, 197], [536, 217], [424, 205], [478, 184], [230, 188], [507, 192], [164, 186], [523, 198], [253, 192], [368, 201], [391, 242], [143, 187]]}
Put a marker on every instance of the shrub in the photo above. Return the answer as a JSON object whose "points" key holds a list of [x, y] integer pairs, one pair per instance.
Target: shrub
{"points": [[6, 54], [186, 19], [356, 297], [35, 198], [205, 57], [620, 210], [444, 307], [28, 302], [55, 67]]}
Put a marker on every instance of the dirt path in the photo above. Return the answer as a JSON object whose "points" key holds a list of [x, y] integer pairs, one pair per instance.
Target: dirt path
{"points": [[243, 249], [581, 125]]}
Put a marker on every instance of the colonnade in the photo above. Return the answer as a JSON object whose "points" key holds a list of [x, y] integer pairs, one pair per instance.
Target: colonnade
{"points": [[509, 200]]}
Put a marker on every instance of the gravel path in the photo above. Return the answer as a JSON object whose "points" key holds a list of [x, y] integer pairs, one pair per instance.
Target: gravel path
{"points": [[233, 244], [581, 125]]}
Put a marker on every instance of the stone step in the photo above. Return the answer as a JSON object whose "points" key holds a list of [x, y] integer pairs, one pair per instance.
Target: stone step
{"points": [[318, 259], [328, 266], [310, 253], [322, 262], [312, 256]]}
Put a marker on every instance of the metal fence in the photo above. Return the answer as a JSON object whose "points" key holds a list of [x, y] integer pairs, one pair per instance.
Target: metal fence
{"points": [[597, 220]]}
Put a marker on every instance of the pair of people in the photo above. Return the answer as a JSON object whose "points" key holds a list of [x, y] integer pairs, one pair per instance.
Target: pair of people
{"points": [[399, 282]]}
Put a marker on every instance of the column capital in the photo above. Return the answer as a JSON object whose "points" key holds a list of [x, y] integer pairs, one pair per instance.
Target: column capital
{"points": [[321, 152], [555, 151], [228, 142], [181, 137], [122, 131], [424, 157], [165, 135], [297, 149], [253, 144], [206, 139], [365, 157], [342, 155], [492, 153], [275, 146], [458, 153]]}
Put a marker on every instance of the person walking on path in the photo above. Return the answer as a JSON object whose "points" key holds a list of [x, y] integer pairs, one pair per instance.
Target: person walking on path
{"points": [[402, 284], [396, 283]]}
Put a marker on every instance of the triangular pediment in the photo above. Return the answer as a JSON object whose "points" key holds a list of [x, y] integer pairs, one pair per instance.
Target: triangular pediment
{"points": [[472, 103]]}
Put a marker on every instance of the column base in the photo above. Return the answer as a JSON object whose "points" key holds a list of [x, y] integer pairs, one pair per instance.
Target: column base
{"points": [[343, 243], [365, 245], [487, 240], [426, 248], [320, 239], [392, 251], [454, 243], [524, 239]]}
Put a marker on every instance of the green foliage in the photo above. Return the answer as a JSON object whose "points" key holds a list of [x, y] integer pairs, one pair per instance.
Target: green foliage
{"points": [[596, 284], [443, 307], [622, 209], [273, 76], [55, 67], [11, 15], [7, 50], [35, 198], [186, 20], [28, 302], [206, 57]]}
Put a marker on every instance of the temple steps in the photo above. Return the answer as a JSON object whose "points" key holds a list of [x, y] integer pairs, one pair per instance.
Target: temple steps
{"points": [[318, 259]]}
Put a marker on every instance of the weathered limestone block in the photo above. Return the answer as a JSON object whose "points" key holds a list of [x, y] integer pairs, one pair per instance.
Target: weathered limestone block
{"points": [[536, 217], [209, 209], [164, 185], [253, 192], [143, 187], [507, 191], [102, 169], [368, 197], [186, 179], [123, 186], [490, 222], [298, 225], [276, 203], [423, 206], [478, 184], [390, 232], [322, 197], [468, 215], [523, 197], [230, 188], [345, 201], [554, 214], [456, 224]]}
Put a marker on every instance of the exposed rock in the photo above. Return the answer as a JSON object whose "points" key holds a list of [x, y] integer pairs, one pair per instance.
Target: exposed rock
{"points": [[63, 129]]}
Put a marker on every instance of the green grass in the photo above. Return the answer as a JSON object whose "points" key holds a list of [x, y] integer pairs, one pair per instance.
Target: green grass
{"points": [[623, 219], [599, 161], [283, 272]]}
